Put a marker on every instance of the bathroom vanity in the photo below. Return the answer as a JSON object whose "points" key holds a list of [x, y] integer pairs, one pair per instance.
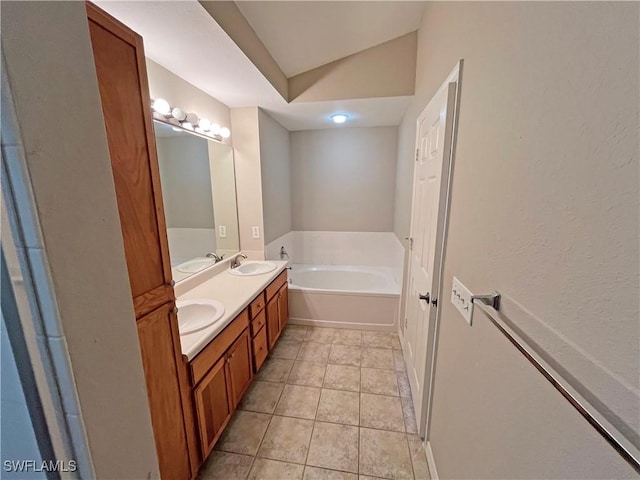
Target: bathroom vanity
{"points": [[222, 360]]}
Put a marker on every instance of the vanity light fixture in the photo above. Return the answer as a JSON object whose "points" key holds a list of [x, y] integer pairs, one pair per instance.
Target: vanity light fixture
{"points": [[339, 118], [179, 119]]}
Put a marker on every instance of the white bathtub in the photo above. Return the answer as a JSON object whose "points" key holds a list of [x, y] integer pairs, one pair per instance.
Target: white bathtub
{"points": [[359, 297]]}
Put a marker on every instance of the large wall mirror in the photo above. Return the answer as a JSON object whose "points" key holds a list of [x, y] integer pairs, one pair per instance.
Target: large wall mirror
{"points": [[199, 195]]}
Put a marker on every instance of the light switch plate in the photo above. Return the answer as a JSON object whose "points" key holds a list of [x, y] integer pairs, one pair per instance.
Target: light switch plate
{"points": [[222, 231], [255, 232], [461, 299]]}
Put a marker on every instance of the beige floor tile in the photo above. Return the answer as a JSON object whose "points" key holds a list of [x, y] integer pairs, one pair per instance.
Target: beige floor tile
{"points": [[275, 370], [319, 334], [377, 358], [261, 397], [306, 373], [403, 384], [298, 401], [409, 415], [395, 342], [345, 355], [225, 466], [314, 352], [347, 337], [294, 332], [380, 411], [334, 446], [338, 406], [398, 361], [264, 469], [244, 433], [418, 458], [377, 339], [385, 454], [287, 349], [287, 439], [381, 382], [367, 477], [315, 473], [342, 377]]}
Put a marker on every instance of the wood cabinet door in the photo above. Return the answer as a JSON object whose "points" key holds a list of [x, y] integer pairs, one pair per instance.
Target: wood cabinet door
{"points": [[122, 79], [283, 306], [213, 407], [158, 348], [239, 368], [273, 321]]}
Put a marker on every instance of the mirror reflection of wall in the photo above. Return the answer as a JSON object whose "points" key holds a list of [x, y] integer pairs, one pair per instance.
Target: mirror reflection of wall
{"points": [[199, 196]]}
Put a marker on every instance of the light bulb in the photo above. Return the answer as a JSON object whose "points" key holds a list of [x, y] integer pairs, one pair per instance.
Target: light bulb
{"points": [[215, 128], [225, 132], [161, 106], [204, 124], [178, 114], [187, 126], [339, 118], [192, 118]]}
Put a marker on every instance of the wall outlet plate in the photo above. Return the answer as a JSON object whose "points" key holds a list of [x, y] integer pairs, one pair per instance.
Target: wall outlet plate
{"points": [[461, 299], [255, 232], [222, 231]]}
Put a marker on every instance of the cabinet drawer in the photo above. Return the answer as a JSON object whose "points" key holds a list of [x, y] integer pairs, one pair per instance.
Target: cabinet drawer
{"points": [[258, 322], [260, 348], [274, 286], [216, 348], [257, 305]]}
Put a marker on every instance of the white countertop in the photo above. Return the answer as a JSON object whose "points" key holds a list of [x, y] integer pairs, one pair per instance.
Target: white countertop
{"points": [[235, 292]]}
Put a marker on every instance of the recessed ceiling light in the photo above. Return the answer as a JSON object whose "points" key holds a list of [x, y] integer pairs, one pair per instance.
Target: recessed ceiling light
{"points": [[339, 118]]}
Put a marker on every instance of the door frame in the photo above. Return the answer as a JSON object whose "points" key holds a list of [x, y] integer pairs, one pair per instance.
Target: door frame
{"points": [[451, 127]]}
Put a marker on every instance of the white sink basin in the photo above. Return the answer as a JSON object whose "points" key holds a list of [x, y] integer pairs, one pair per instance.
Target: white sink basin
{"points": [[253, 267], [198, 313], [195, 265]]}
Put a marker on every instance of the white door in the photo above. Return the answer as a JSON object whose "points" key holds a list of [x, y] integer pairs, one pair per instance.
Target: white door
{"points": [[431, 177]]}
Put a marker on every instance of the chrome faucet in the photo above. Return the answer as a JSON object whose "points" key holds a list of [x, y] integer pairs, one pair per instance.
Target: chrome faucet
{"points": [[236, 263], [216, 258], [283, 253]]}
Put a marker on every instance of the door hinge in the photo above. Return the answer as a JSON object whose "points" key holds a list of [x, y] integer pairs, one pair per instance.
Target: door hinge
{"points": [[417, 154]]}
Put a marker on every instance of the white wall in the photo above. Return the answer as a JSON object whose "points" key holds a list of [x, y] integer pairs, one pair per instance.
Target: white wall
{"points": [[545, 210], [275, 164], [343, 179], [77, 245], [246, 149]]}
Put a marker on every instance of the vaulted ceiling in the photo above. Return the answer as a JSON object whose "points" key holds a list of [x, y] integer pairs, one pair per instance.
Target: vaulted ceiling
{"points": [[304, 35], [211, 51]]}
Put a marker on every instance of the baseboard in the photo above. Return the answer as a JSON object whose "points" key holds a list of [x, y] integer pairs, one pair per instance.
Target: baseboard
{"points": [[431, 463], [352, 326]]}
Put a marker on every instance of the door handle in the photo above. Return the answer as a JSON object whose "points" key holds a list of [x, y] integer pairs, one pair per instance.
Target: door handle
{"points": [[424, 297]]}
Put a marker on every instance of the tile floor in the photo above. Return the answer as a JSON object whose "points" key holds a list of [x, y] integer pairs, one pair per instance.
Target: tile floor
{"points": [[327, 404]]}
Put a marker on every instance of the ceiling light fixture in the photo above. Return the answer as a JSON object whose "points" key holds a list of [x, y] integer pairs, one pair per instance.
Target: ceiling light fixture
{"points": [[176, 117], [339, 118]]}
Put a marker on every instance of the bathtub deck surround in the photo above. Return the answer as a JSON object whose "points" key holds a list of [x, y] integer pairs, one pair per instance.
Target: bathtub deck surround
{"points": [[343, 279], [328, 403]]}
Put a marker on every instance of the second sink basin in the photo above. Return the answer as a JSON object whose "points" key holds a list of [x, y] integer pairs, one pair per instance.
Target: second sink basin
{"points": [[253, 267], [198, 313]]}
